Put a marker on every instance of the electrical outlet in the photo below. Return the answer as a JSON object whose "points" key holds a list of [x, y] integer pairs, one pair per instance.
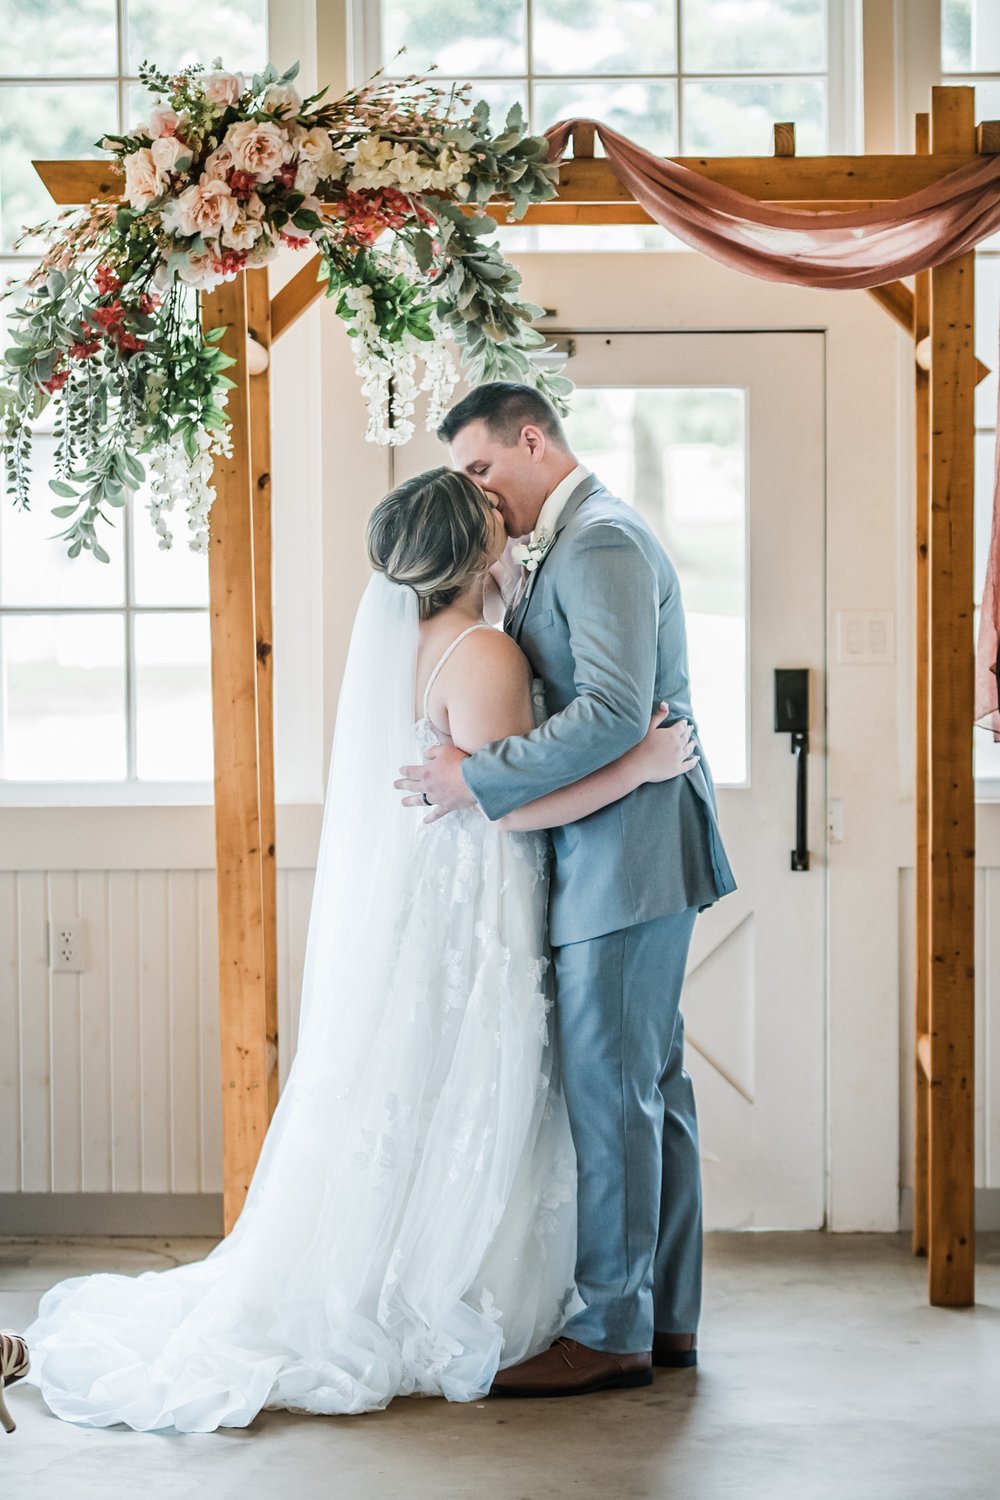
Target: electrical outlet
{"points": [[66, 947]]}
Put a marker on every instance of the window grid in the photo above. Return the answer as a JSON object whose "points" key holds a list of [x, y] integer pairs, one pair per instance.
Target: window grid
{"points": [[840, 92], [17, 264]]}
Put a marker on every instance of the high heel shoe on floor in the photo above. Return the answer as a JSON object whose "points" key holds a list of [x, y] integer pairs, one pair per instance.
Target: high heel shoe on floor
{"points": [[14, 1364]]}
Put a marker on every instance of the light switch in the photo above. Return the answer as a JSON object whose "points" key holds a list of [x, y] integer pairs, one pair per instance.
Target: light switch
{"points": [[865, 636]]}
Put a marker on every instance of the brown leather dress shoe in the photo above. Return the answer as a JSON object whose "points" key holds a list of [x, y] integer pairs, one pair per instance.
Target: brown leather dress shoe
{"points": [[675, 1351], [572, 1369]]}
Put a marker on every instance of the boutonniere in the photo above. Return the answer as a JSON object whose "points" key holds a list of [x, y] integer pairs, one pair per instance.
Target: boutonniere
{"points": [[530, 553]]}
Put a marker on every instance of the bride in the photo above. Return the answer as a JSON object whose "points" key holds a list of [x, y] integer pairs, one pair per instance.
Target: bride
{"points": [[410, 1224]]}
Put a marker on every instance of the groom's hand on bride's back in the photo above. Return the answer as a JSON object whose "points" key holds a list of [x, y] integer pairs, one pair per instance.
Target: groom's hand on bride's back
{"points": [[439, 779]]}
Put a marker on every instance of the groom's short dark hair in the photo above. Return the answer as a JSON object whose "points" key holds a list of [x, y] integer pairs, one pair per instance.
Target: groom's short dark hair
{"points": [[506, 407]]}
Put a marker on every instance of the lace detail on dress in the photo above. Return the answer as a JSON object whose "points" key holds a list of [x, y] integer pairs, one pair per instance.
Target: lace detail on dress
{"points": [[415, 1226]]}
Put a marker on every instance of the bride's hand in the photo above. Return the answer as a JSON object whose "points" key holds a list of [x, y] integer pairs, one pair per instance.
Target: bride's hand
{"points": [[664, 753]]}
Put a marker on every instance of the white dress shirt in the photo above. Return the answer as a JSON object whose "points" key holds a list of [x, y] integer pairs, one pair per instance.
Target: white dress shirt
{"points": [[552, 507], [512, 577]]}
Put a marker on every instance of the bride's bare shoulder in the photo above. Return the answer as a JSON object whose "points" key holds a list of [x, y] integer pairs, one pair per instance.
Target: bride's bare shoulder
{"points": [[484, 689], [494, 646], [488, 695]]}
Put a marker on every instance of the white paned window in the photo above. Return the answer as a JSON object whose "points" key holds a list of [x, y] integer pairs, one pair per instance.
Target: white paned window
{"points": [[104, 668], [682, 77], [970, 54]]}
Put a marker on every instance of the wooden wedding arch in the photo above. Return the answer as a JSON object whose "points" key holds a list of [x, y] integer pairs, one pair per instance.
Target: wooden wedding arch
{"points": [[938, 314]]}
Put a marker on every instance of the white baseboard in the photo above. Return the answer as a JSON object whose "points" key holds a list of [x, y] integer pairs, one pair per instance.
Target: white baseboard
{"points": [[987, 1208], [142, 1214]]}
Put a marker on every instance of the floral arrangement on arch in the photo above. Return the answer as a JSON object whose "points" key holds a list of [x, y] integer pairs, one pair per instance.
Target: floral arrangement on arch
{"points": [[388, 182]]}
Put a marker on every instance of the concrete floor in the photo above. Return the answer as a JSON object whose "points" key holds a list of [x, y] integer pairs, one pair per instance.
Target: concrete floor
{"points": [[824, 1376]]}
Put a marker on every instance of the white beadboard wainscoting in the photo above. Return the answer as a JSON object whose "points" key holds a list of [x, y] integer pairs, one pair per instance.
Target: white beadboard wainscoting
{"points": [[109, 1078]]}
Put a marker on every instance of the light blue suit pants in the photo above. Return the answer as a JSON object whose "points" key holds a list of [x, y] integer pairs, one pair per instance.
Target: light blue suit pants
{"points": [[632, 1113]]}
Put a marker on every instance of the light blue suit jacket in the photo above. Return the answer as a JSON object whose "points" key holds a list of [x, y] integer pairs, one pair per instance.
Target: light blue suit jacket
{"points": [[603, 626]]}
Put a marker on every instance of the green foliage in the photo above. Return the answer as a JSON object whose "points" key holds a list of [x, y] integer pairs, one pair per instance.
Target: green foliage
{"points": [[131, 373]]}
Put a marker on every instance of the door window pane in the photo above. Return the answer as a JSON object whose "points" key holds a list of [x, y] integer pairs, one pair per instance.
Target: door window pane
{"points": [[63, 697], [40, 121], [984, 452], [173, 697], [461, 38], [644, 111], [753, 36], [590, 36], [970, 37], [235, 30], [58, 36], [987, 343], [734, 117], [678, 456]]}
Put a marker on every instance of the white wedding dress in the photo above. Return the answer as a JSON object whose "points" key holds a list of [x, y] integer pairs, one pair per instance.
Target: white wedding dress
{"points": [[411, 1222]]}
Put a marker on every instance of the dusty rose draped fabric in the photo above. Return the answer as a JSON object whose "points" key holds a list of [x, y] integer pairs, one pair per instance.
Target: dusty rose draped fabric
{"points": [[853, 249]]}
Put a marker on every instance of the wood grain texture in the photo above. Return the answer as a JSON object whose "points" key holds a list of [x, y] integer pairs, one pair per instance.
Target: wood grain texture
{"points": [[239, 859], [951, 996], [784, 138], [583, 141], [817, 179], [897, 299], [298, 294], [259, 324], [920, 300]]}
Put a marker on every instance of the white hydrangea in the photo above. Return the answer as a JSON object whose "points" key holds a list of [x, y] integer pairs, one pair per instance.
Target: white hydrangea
{"points": [[452, 166], [379, 163]]}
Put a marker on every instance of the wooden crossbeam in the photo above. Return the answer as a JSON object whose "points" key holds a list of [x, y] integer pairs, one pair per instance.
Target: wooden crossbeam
{"points": [[298, 294], [898, 301], [806, 179]]}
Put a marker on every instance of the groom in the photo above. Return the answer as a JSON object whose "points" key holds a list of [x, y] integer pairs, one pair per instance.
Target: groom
{"points": [[598, 614]]}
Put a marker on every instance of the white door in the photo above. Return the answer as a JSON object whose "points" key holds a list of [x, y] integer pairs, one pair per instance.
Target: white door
{"points": [[718, 438]]}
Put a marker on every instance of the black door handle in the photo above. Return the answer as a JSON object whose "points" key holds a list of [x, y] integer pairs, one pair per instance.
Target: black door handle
{"points": [[791, 716]]}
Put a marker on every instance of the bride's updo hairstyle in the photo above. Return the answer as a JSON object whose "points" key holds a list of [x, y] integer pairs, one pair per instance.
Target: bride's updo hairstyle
{"points": [[433, 533]]}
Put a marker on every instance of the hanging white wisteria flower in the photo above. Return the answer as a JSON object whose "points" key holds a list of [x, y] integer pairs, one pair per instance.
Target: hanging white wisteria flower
{"points": [[221, 174]]}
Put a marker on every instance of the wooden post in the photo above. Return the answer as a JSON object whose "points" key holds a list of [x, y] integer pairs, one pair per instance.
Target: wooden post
{"points": [[784, 138], [259, 329], [583, 142], [951, 991], [921, 328], [239, 866]]}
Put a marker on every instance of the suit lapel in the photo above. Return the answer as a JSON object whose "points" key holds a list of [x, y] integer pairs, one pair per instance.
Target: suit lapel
{"points": [[583, 491]]}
